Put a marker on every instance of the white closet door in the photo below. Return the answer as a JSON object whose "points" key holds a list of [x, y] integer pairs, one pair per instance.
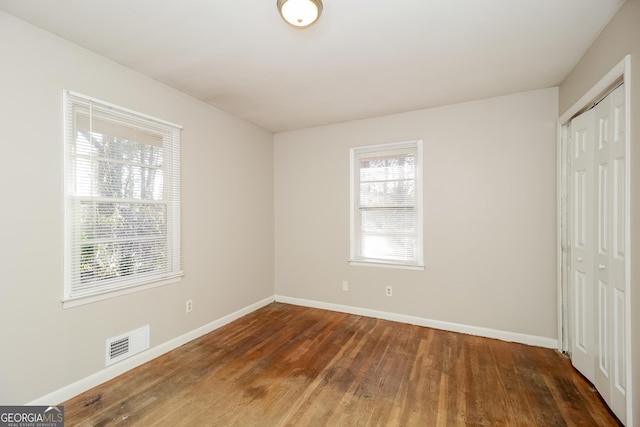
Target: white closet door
{"points": [[581, 289], [617, 256], [597, 295], [603, 190]]}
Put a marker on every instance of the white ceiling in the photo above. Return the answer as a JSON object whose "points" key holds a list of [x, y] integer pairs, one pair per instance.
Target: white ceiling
{"points": [[362, 59]]}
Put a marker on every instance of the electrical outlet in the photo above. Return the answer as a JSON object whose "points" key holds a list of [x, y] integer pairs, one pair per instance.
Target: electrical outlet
{"points": [[345, 285], [189, 306], [388, 291]]}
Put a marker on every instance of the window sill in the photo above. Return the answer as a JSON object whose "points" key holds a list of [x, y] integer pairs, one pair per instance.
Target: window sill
{"points": [[108, 294], [382, 264]]}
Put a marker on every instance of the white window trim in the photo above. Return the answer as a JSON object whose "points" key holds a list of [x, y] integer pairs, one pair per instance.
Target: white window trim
{"points": [[173, 235], [364, 262]]}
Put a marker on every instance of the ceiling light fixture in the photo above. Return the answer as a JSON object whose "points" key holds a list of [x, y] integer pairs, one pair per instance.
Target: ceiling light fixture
{"points": [[300, 13]]}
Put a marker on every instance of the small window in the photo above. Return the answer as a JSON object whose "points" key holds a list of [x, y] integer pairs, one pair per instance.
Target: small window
{"points": [[122, 200], [386, 205]]}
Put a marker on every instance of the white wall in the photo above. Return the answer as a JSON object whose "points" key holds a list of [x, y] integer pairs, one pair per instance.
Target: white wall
{"points": [[489, 215], [227, 215]]}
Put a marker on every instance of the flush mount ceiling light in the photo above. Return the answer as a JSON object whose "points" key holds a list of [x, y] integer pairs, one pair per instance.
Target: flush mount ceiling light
{"points": [[300, 13]]}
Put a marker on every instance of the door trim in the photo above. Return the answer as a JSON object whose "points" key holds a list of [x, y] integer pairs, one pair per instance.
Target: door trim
{"points": [[619, 73]]}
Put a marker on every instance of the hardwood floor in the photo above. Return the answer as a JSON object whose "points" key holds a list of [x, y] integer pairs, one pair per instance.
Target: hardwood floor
{"points": [[286, 365]]}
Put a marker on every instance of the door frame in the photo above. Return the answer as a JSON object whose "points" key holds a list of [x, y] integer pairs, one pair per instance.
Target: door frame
{"points": [[620, 73]]}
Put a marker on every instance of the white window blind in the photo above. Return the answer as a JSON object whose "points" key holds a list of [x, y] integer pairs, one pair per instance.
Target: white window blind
{"points": [[386, 204], [122, 190]]}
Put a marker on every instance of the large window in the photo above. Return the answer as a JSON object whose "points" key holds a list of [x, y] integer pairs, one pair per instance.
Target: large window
{"points": [[386, 205], [122, 210]]}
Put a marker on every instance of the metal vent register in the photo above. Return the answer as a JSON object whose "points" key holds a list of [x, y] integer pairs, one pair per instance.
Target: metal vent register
{"points": [[126, 345]]}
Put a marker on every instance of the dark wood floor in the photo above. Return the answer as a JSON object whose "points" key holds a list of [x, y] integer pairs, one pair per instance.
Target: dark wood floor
{"points": [[285, 365]]}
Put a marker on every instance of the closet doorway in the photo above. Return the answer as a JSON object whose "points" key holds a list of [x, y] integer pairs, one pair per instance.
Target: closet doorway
{"points": [[594, 237]]}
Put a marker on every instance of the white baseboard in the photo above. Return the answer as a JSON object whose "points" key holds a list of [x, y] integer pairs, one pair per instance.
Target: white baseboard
{"points": [[71, 390], [420, 321]]}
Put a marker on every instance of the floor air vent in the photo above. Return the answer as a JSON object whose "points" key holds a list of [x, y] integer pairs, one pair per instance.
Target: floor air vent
{"points": [[118, 348], [126, 345]]}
